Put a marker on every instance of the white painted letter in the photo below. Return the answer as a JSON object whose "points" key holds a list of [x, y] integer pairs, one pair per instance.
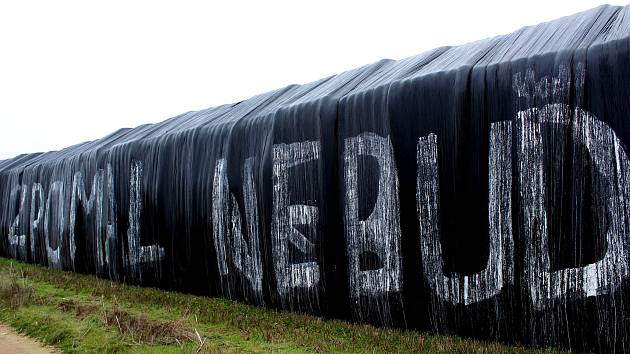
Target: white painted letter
{"points": [[611, 187], [286, 217], [79, 196], [227, 225], [379, 234], [55, 194], [36, 214], [138, 255], [17, 240], [468, 289]]}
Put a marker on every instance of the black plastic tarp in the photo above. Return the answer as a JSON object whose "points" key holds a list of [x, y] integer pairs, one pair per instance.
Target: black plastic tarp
{"points": [[482, 190]]}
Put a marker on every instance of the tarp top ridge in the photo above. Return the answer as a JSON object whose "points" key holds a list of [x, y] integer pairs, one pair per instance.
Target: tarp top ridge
{"points": [[571, 33]]}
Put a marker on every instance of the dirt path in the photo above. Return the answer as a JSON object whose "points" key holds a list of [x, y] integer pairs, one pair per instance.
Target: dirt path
{"points": [[13, 343]]}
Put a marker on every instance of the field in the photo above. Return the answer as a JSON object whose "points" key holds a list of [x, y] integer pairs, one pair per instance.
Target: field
{"points": [[79, 313]]}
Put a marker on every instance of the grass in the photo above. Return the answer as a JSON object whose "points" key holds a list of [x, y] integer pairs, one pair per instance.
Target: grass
{"points": [[79, 313]]}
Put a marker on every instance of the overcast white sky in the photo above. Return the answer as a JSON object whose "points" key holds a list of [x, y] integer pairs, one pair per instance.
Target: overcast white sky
{"points": [[72, 71]]}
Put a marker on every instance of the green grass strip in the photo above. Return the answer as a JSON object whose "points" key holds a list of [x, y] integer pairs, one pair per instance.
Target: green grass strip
{"points": [[79, 313]]}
